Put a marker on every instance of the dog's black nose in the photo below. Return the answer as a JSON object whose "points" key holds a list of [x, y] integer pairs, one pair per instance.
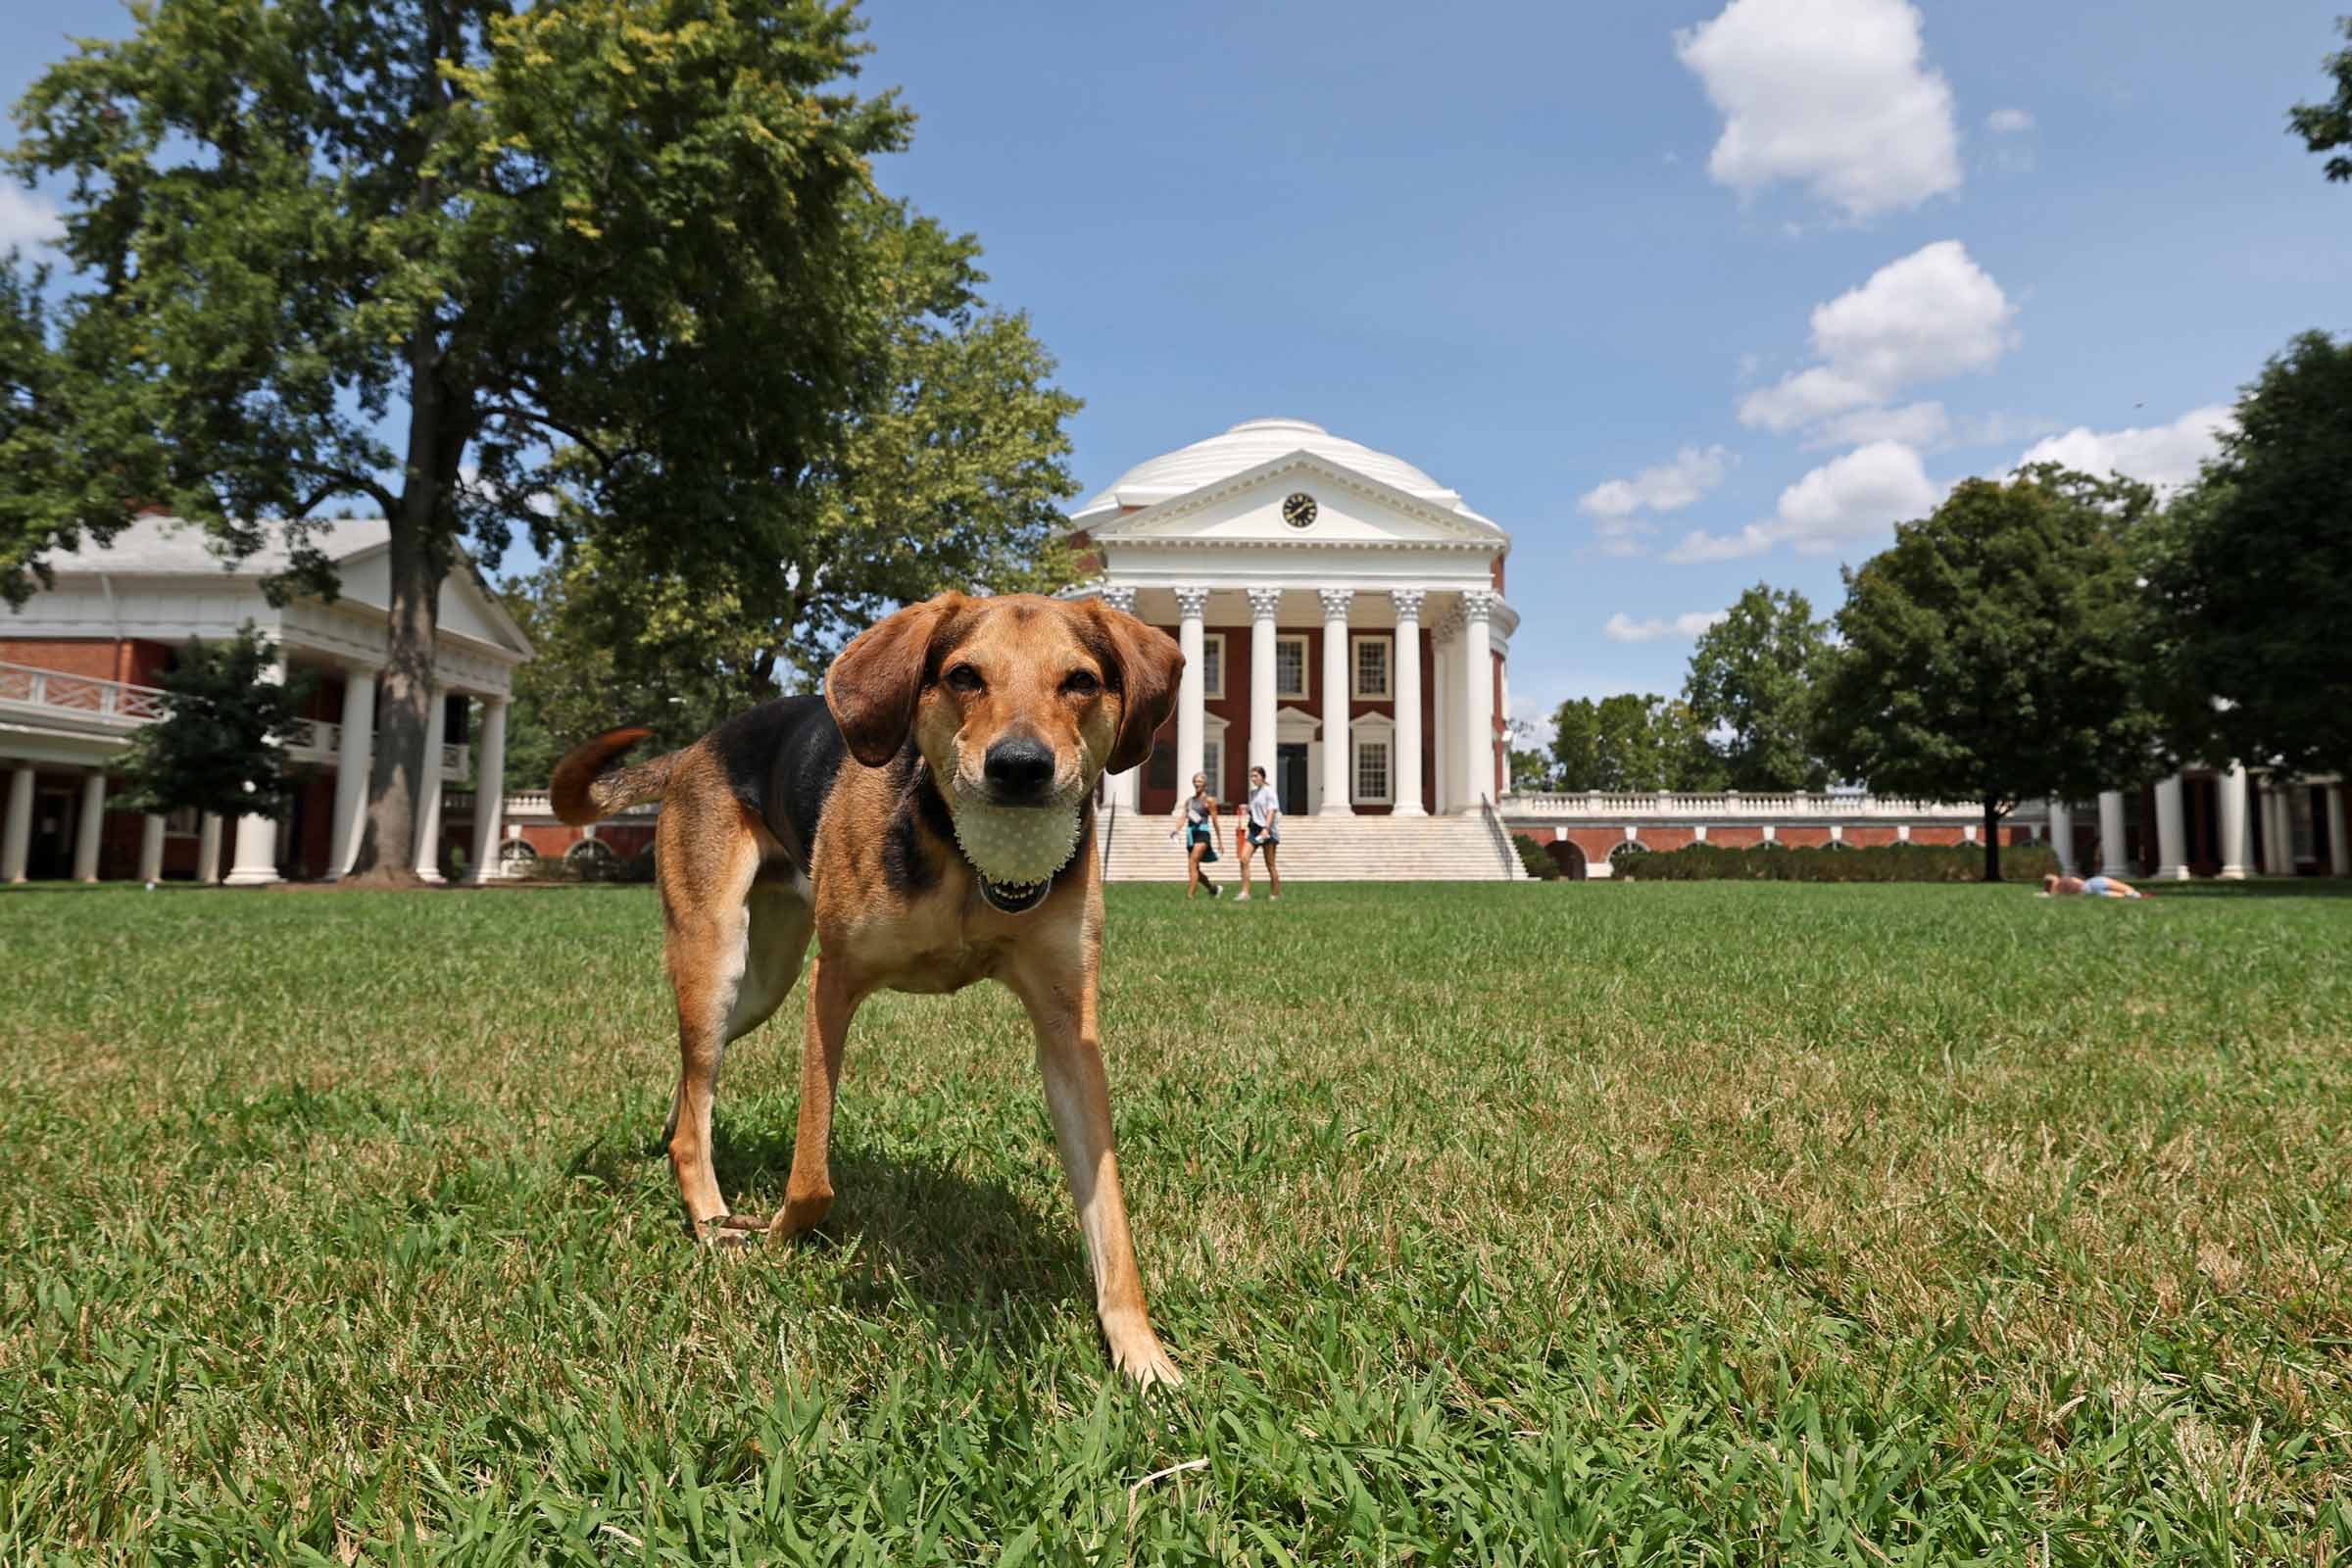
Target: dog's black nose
{"points": [[1021, 766]]}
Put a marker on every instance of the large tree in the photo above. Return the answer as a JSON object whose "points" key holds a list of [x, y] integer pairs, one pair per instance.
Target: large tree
{"points": [[448, 256], [1630, 742], [1996, 651], [2328, 127], [2254, 580], [1751, 681], [945, 473]]}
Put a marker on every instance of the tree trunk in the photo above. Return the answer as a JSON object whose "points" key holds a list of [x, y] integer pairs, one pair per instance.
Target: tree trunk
{"points": [[418, 560], [1992, 840]]}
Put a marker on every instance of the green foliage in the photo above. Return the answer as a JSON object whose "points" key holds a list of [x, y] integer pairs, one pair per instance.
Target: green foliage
{"points": [[219, 747], [1490, 1224], [1535, 858], [1776, 862], [1752, 676], [945, 473], [1630, 741], [2326, 127], [1997, 651], [2253, 579]]}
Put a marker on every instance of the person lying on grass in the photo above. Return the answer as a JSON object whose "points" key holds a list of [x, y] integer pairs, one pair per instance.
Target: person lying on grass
{"points": [[2097, 886]]}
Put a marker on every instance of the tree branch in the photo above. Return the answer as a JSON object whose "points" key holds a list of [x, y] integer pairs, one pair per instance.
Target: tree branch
{"points": [[580, 438]]}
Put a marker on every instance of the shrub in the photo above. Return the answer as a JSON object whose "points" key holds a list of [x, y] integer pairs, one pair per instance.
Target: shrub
{"points": [[1536, 858], [1891, 863]]}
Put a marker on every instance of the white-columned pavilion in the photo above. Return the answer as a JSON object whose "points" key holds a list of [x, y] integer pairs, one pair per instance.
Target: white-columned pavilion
{"points": [[1342, 617]]}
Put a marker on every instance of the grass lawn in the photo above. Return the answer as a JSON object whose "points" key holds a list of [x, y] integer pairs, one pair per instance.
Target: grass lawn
{"points": [[1673, 1223]]}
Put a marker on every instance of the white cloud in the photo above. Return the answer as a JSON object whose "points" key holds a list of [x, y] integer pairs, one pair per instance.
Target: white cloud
{"points": [[1914, 425], [1622, 628], [1925, 317], [26, 219], [2165, 456], [1834, 94], [1850, 498], [1668, 487], [2009, 121]]}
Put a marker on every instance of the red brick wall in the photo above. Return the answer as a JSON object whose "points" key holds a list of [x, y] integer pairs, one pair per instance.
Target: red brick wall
{"points": [[1735, 838], [1803, 838], [1939, 835], [1869, 838], [97, 658], [1666, 840]]}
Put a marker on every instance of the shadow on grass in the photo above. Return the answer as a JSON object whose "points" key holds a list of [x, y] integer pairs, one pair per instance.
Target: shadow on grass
{"points": [[970, 1254], [2275, 887]]}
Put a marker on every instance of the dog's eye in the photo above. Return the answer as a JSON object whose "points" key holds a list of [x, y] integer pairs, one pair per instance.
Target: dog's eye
{"points": [[1082, 683], [964, 678]]}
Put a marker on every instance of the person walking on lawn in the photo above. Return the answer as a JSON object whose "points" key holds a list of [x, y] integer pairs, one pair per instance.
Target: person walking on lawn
{"points": [[1197, 821], [1264, 833]]}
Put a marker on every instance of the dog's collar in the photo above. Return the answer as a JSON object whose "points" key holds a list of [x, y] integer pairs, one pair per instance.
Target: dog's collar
{"points": [[1019, 898]]}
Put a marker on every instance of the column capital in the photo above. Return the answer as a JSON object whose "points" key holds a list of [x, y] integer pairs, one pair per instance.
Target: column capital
{"points": [[1191, 603], [1407, 602], [1447, 629], [1478, 604], [1336, 602], [1120, 598], [1263, 601]]}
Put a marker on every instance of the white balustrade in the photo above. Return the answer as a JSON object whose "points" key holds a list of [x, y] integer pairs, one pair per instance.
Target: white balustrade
{"points": [[80, 693]]}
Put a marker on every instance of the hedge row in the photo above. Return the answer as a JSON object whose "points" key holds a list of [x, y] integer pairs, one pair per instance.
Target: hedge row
{"points": [[1891, 863]]}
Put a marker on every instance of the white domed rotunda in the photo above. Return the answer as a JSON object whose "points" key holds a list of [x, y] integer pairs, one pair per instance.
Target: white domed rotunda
{"points": [[1342, 621]]}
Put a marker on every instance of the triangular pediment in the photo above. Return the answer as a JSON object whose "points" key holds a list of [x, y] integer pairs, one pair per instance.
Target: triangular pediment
{"points": [[1349, 508], [468, 608]]}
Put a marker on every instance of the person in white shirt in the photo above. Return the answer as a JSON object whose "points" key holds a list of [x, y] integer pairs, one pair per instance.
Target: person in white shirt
{"points": [[1264, 833]]}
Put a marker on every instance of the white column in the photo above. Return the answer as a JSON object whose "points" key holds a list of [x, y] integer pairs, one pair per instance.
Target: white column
{"points": [[1120, 789], [1477, 700], [151, 849], [2339, 852], [1191, 692], [89, 823], [1339, 773], [429, 791], [255, 854], [2111, 834], [2062, 835], [353, 766], [2172, 832], [2232, 794], [208, 849], [1404, 768], [1263, 603], [489, 791], [16, 835]]}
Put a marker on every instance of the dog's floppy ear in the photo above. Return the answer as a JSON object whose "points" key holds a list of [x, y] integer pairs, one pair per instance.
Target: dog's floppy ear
{"points": [[874, 682], [1150, 664]]}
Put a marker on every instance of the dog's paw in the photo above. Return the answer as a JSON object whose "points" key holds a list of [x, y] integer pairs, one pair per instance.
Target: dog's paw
{"points": [[800, 1215], [1135, 1350]]}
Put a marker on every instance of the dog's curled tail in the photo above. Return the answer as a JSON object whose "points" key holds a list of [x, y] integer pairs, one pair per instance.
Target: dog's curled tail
{"points": [[584, 789]]}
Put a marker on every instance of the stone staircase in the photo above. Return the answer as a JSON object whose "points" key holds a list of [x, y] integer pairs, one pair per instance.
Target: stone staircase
{"points": [[1326, 849]]}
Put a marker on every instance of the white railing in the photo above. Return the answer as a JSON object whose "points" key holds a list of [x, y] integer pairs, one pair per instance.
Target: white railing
{"points": [[80, 693], [535, 804], [1728, 806]]}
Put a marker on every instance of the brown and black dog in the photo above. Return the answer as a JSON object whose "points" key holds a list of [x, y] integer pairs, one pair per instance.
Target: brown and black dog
{"points": [[958, 728]]}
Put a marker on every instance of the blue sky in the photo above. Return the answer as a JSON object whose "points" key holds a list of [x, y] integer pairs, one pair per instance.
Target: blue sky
{"points": [[1684, 295]]}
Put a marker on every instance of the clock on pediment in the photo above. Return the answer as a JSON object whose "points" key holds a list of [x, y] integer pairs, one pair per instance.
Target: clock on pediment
{"points": [[1298, 509]]}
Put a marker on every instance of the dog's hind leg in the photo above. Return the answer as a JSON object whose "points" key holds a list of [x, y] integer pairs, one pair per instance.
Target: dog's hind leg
{"points": [[708, 919]]}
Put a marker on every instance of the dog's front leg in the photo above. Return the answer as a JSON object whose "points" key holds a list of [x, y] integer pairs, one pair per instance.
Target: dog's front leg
{"points": [[1069, 1056], [809, 1192]]}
